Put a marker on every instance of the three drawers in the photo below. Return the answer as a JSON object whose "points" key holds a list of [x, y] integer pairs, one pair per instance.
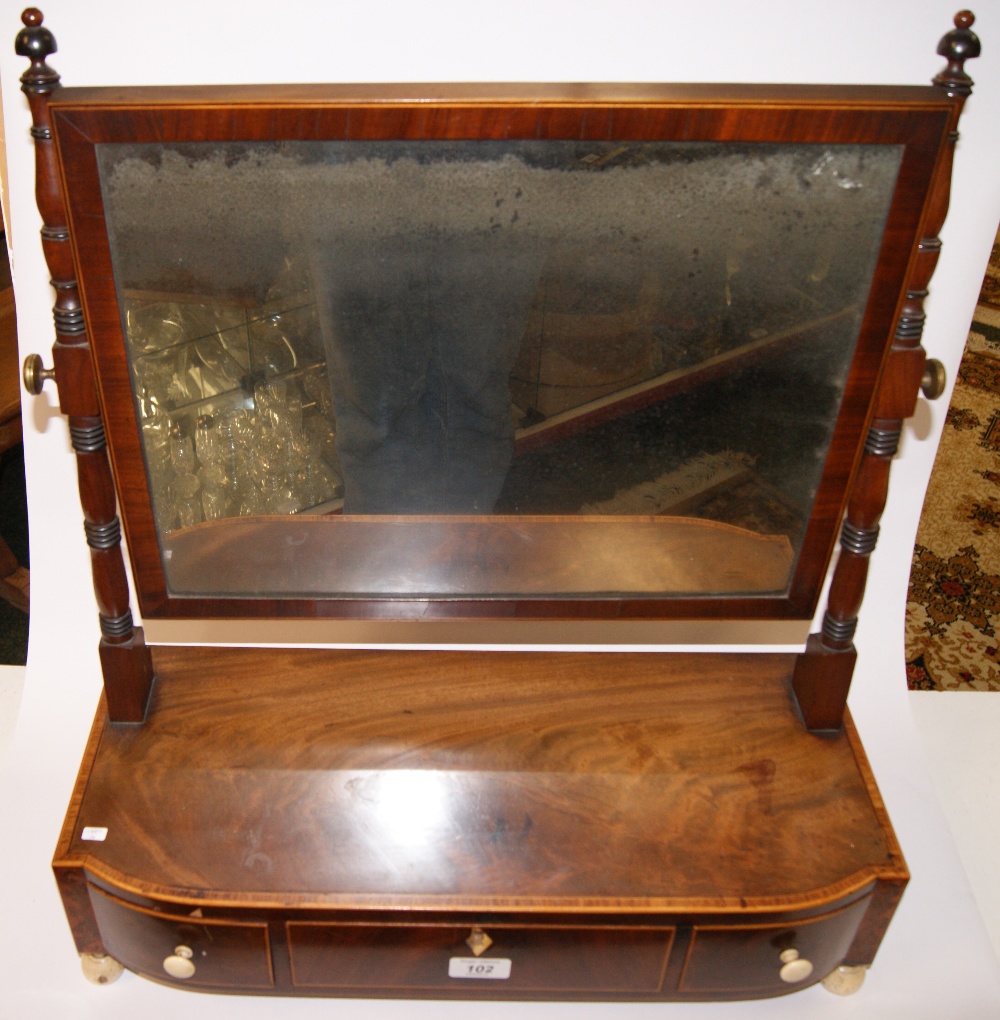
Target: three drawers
{"points": [[358, 957]]}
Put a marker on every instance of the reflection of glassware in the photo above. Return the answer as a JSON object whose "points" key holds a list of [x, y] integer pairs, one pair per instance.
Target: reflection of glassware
{"points": [[317, 390], [215, 369], [206, 440], [227, 448], [186, 351], [186, 503], [268, 398], [155, 375], [273, 460], [156, 432], [215, 500], [273, 350], [163, 508], [289, 415], [153, 326], [214, 448], [280, 404], [182, 457], [183, 375]]}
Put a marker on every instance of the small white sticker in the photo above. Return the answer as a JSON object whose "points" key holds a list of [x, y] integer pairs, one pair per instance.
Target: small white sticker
{"points": [[489, 968], [94, 833]]}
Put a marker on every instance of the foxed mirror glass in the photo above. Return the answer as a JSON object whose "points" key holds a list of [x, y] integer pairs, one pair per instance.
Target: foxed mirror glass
{"points": [[485, 368]]}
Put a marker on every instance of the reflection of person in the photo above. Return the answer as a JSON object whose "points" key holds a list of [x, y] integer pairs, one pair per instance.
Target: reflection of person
{"points": [[421, 335]]}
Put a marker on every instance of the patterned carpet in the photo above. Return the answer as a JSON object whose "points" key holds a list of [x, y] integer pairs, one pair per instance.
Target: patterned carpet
{"points": [[953, 608]]}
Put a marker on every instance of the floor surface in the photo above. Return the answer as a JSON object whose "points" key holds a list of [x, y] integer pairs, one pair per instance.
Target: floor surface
{"points": [[959, 732], [11, 686]]}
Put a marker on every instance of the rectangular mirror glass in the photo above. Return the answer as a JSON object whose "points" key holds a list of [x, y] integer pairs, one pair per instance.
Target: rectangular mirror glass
{"points": [[489, 368]]}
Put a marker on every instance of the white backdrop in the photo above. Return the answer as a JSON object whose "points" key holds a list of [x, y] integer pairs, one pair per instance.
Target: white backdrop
{"points": [[936, 961]]}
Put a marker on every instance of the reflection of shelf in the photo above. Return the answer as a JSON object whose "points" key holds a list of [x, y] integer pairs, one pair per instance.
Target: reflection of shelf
{"points": [[632, 398], [747, 501], [473, 556]]}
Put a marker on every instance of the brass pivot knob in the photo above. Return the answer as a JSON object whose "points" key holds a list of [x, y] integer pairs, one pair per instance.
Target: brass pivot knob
{"points": [[179, 965], [794, 968], [35, 374], [934, 379]]}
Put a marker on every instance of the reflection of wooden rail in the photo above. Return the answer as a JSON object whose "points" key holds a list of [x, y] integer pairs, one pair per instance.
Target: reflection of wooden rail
{"points": [[467, 557], [640, 395]]}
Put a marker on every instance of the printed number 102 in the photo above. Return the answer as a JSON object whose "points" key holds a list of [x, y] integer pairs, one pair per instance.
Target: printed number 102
{"points": [[471, 967]]}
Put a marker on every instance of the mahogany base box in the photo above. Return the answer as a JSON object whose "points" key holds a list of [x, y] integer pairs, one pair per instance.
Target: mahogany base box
{"points": [[477, 825]]}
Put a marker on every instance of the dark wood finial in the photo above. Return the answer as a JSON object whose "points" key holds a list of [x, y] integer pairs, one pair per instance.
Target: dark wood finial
{"points": [[36, 43], [959, 45]]}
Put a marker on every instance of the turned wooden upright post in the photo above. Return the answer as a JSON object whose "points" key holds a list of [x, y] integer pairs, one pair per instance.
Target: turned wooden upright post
{"points": [[823, 672], [125, 659]]}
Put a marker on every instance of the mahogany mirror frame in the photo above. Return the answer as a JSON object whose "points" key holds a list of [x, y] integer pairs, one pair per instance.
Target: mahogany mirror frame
{"points": [[82, 119]]}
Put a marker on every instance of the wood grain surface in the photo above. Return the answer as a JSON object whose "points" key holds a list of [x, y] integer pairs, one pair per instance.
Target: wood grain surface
{"points": [[576, 782]]}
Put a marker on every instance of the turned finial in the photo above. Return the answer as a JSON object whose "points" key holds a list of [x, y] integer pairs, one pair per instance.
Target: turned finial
{"points": [[959, 45], [36, 43]]}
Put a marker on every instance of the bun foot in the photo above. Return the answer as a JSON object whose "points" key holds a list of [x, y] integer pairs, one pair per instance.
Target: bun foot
{"points": [[99, 969], [845, 980]]}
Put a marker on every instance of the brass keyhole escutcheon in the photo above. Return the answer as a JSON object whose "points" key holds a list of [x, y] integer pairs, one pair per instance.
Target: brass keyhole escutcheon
{"points": [[478, 941]]}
